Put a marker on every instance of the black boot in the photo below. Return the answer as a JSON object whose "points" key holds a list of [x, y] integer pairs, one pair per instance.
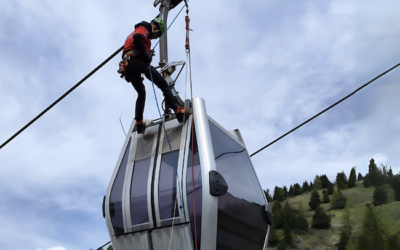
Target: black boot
{"points": [[140, 127], [182, 113]]}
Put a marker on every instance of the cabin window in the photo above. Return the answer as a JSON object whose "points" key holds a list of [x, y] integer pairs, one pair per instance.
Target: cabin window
{"points": [[116, 195], [139, 212], [167, 186]]}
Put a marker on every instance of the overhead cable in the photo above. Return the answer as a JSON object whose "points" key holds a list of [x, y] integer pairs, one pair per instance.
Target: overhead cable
{"points": [[101, 248], [323, 111], [62, 97]]}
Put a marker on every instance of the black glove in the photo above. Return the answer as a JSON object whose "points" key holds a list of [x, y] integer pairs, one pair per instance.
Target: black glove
{"points": [[148, 57]]}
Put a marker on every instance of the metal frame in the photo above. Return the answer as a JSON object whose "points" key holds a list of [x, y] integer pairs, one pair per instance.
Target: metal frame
{"points": [[157, 178], [186, 146], [149, 181], [210, 203], [181, 166], [126, 204]]}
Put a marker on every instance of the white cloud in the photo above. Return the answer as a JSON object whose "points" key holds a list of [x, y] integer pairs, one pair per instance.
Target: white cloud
{"points": [[54, 248], [380, 159], [57, 248]]}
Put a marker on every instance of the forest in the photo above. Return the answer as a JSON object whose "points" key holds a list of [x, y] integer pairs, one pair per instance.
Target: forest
{"points": [[355, 212]]}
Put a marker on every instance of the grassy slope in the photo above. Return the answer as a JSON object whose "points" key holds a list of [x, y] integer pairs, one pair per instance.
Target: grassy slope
{"points": [[357, 198]]}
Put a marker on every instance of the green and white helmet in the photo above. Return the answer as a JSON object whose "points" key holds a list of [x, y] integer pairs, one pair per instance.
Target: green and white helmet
{"points": [[160, 24]]}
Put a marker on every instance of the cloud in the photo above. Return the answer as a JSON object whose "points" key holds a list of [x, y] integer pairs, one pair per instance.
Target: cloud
{"points": [[54, 248]]}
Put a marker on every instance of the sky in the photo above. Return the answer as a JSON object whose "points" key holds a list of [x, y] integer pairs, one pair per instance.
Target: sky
{"points": [[261, 66]]}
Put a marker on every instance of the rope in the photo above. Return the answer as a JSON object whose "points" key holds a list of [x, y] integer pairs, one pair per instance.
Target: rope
{"points": [[173, 222], [187, 46], [323, 111], [61, 97]]}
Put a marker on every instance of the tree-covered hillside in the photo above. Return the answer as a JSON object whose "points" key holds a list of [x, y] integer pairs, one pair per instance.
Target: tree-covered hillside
{"points": [[354, 213]]}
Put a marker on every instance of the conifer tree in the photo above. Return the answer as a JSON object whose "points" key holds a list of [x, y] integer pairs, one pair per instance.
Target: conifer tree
{"points": [[390, 173], [317, 183], [301, 221], [290, 193], [273, 239], [338, 201], [311, 186], [325, 197], [278, 194], [267, 195], [395, 183], [383, 170], [371, 236], [352, 178], [321, 219], [324, 181], [277, 218], [360, 177], [344, 239], [285, 191], [300, 208], [345, 230], [287, 235], [277, 206], [306, 187], [373, 177], [380, 196], [314, 200], [289, 216], [341, 180], [330, 188], [366, 181], [297, 190]]}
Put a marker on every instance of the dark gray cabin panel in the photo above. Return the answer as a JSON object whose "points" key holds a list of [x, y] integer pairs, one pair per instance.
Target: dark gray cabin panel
{"points": [[242, 222], [116, 195]]}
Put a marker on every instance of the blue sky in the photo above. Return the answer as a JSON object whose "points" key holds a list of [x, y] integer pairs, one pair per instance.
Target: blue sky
{"points": [[262, 67]]}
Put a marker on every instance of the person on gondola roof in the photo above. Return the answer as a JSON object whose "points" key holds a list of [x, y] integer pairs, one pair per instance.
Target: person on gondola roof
{"points": [[136, 59]]}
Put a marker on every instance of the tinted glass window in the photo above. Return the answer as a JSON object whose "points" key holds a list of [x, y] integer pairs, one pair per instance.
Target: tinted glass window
{"points": [[139, 213], [242, 221], [116, 195], [194, 190], [167, 185]]}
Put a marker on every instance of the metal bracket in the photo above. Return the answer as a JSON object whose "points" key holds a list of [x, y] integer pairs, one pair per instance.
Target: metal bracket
{"points": [[156, 2], [218, 185], [170, 67]]}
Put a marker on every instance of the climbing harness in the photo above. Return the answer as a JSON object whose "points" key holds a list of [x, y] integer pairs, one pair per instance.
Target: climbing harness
{"points": [[125, 60]]}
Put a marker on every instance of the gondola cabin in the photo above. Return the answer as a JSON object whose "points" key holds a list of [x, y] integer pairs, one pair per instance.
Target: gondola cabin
{"points": [[186, 186]]}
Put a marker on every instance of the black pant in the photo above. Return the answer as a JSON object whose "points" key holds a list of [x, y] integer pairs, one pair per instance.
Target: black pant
{"points": [[133, 75]]}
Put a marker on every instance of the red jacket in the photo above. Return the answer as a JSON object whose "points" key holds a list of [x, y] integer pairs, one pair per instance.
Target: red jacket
{"points": [[139, 39]]}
